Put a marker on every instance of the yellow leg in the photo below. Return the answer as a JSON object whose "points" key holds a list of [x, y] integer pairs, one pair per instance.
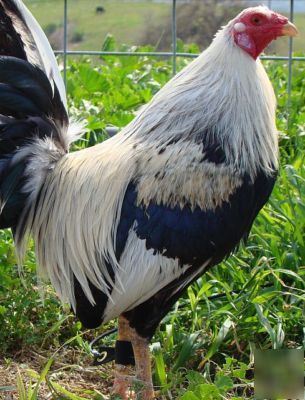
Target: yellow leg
{"points": [[123, 375], [143, 368]]}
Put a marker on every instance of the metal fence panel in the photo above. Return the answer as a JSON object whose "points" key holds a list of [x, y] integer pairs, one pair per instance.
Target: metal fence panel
{"points": [[173, 53]]}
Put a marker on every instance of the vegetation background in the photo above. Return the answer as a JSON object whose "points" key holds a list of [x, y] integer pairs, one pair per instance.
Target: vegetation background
{"points": [[254, 299]]}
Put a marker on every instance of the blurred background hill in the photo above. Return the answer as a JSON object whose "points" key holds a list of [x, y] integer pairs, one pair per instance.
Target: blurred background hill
{"points": [[149, 22]]}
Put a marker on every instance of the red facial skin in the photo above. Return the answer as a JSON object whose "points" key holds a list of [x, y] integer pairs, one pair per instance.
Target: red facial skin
{"points": [[260, 29]]}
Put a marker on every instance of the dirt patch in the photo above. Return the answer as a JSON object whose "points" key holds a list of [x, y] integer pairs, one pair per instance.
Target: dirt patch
{"points": [[72, 370]]}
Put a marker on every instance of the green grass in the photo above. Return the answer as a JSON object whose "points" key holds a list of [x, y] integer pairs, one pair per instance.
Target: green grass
{"points": [[253, 299]]}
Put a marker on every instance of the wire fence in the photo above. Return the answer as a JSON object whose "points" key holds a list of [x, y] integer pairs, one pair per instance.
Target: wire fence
{"points": [[174, 54]]}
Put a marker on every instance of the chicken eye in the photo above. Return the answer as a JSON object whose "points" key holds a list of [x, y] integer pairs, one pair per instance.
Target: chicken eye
{"points": [[257, 20]]}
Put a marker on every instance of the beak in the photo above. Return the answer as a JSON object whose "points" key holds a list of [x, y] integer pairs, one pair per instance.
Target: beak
{"points": [[289, 30]]}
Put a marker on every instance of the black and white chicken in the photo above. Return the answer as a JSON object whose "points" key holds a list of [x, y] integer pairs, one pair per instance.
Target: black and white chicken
{"points": [[122, 228]]}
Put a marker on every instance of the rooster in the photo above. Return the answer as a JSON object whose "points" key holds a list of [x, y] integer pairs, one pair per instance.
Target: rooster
{"points": [[122, 228]]}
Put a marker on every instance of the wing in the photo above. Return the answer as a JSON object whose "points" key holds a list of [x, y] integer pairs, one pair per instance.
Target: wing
{"points": [[194, 235], [201, 238], [162, 249]]}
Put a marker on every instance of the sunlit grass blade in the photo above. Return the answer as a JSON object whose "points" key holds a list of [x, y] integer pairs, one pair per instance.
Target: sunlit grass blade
{"points": [[159, 364]]}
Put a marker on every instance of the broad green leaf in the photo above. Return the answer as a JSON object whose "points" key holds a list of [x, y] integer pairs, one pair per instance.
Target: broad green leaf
{"points": [[189, 396], [207, 391], [224, 383]]}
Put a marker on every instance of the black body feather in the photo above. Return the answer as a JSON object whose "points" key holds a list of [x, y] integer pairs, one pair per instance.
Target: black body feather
{"points": [[29, 109], [192, 236]]}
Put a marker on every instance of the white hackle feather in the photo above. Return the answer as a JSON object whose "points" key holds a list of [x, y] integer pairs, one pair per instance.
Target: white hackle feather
{"points": [[224, 94]]}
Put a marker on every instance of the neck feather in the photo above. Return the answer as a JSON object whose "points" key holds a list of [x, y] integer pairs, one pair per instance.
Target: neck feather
{"points": [[223, 96]]}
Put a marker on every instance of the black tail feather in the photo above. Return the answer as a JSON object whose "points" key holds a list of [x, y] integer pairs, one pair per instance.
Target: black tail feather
{"points": [[11, 43], [12, 198], [27, 79], [30, 109]]}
